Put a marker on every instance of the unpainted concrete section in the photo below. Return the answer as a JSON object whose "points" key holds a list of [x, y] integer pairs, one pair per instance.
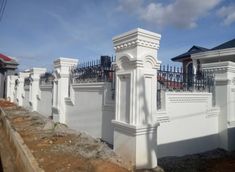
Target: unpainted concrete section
{"points": [[25, 161]]}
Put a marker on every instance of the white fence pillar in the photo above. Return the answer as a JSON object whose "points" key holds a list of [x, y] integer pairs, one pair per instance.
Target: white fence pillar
{"points": [[19, 90], [136, 79], [225, 99], [62, 68], [11, 87], [34, 86]]}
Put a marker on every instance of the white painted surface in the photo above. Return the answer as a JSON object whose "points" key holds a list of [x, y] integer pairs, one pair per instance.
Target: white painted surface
{"points": [[136, 65], [19, 90], [189, 124], [34, 86], [45, 100], [26, 103], [137, 144], [11, 87], [224, 92], [91, 109], [62, 68]]}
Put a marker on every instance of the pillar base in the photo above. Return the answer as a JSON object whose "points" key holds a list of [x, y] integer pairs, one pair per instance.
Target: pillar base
{"points": [[136, 144], [55, 114]]}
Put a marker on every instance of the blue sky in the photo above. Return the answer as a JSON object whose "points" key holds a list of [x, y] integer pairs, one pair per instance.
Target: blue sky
{"points": [[37, 32]]}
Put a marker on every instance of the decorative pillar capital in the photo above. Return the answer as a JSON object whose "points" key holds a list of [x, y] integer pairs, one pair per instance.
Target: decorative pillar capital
{"points": [[63, 65], [136, 44], [36, 72]]}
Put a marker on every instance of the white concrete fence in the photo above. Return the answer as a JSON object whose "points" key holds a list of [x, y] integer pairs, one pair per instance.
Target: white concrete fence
{"points": [[139, 132]]}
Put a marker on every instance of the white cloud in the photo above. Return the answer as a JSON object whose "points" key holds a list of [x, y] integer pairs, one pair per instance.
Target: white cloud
{"points": [[130, 5], [227, 13], [180, 13]]}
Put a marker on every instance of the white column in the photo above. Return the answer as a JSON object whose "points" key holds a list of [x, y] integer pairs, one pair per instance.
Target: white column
{"points": [[62, 68], [20, 87], [225, 99], [35, 74], [135, 134], [194, 66], [11, 87]]}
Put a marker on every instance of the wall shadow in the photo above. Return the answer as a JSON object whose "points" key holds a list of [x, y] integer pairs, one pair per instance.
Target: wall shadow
{"points": [[190, 146], [231, 139]]}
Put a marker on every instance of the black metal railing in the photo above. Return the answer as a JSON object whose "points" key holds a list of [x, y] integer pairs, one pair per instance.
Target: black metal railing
{"points": [[174, 79], [94, 71], [27, 81], [46, 78], [169, 77]]}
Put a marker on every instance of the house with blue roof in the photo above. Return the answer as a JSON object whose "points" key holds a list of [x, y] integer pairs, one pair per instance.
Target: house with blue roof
{"points": [[196, 55]]}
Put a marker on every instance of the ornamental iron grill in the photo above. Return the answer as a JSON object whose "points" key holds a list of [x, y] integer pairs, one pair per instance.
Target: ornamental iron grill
{"points": [[27, 81], [174, 79], [94, 71], [46, 79]]}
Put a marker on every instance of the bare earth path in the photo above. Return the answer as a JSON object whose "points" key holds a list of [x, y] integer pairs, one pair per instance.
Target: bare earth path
{"points": [[57, 148]]}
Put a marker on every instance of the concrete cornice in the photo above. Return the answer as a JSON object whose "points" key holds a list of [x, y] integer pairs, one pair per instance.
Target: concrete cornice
{"points": [[137, 37], [133, 129], [23, 74], [45, 87], [37, 70], [214, 53], [219, 66], [88, 86], [66, 62]]}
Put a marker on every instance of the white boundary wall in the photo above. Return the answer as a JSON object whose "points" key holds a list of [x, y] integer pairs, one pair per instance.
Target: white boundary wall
{"points": [[91, 109], [25, 97], [189, 124], [139, 133], [44, 98]]}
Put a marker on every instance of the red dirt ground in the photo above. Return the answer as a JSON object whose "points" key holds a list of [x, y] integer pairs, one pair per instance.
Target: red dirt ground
{"points": [[5, 104]]}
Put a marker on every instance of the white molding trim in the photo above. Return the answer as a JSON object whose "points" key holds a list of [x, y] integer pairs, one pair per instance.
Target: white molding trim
{"points": [[134, 130], [45, 87], [69, 101], [187, 97], [89, 86], [214, 112], [136, 37], [219, 67], [214, 53]]}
